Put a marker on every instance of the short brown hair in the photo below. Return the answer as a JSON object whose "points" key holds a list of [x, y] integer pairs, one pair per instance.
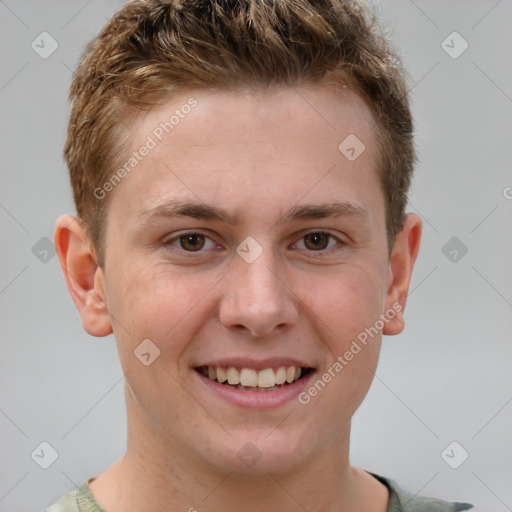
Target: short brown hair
{"points": [[153, 49]]}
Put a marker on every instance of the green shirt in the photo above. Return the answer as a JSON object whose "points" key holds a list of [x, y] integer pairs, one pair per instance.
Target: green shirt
{"points": [[81, 500]]}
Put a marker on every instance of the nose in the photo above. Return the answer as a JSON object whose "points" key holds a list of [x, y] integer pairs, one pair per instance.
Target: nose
{"points": [[258, 298]]}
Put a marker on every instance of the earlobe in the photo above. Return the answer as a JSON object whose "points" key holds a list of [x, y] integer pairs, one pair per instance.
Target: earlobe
{"points": [[403, 257], [84, 278]]}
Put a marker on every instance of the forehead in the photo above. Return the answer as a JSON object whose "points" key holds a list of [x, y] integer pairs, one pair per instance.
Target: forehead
{"points": [[212, 116], [236, 147]]}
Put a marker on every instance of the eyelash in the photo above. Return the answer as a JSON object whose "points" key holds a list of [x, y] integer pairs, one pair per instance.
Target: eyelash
{"points": [[176, 239]]}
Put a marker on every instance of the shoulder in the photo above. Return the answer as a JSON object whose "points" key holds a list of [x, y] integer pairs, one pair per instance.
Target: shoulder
{"points": [[403, 501], [79, 500]]}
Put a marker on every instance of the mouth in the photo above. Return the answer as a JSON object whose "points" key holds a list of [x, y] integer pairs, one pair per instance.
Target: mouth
{"points": [[252, 380]]}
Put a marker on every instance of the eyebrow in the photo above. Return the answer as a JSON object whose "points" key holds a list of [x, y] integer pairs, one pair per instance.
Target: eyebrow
{"points": [[203, 211]]}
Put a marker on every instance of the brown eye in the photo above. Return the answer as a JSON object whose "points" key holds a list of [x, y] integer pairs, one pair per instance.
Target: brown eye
{"points": [[192, 242], [316, 241]]}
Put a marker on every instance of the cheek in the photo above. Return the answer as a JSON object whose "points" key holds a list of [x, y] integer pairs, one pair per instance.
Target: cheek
{"points": [[169, 309], [345, 303], [347, 390], [158, 304], [347, 308]]}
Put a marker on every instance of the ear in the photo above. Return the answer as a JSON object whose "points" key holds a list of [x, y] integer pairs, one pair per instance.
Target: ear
{"points": [[84, 278], [401, 263]]}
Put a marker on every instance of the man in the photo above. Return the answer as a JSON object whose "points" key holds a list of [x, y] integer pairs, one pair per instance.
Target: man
{"points": [[240, 171]]}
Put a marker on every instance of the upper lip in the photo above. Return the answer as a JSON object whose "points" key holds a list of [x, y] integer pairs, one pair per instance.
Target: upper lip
{"points": [[261, 364]]}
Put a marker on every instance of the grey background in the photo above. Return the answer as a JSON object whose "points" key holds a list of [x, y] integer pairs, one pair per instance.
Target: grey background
{"points": [[446, 378]]}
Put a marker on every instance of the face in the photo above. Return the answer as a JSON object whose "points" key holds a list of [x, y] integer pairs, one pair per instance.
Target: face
{"points": [[243, 245]]}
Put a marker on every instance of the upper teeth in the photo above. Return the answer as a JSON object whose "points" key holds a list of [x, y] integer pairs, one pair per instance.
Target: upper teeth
{"points": [[267, 378]]}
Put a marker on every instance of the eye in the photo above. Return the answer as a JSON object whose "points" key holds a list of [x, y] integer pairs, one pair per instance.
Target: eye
{"points": [[317, 241], [191, 242]]}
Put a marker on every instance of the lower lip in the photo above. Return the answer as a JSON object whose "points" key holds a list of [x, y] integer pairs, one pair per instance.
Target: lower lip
{"points": [[258, 399]]}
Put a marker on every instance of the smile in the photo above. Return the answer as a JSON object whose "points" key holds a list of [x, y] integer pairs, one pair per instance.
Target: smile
{"points": [[249, 379]]}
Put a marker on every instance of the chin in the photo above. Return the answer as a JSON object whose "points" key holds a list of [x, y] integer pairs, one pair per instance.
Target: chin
{"points": [[253, 456]]}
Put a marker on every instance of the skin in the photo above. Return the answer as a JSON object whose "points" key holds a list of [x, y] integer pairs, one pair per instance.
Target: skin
{"points": [[256, 155]]}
